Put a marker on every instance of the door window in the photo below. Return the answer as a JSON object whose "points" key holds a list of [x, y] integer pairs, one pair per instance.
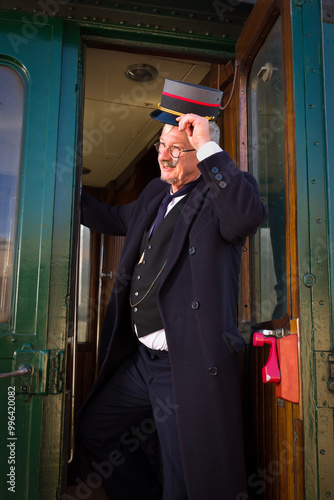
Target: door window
{"points": [[84, 284], [11, 121], [267, 164]]}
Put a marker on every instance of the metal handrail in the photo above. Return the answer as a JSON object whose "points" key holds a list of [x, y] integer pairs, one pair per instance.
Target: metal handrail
{"points": [[23, 371]]}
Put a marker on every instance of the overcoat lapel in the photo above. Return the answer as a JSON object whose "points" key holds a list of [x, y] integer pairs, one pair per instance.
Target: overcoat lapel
{"points": [[184, 223]]}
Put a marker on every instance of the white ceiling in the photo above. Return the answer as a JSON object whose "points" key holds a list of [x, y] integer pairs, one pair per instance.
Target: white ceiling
{"points": [[117, 125]]}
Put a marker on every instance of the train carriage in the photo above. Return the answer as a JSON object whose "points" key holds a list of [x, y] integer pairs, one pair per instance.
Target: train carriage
{"points": [[78, 80]]}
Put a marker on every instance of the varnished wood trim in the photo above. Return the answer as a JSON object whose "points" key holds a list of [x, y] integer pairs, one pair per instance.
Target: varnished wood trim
{"points": [[257, 27], [242, 141], [294, 329], [290, 162], [243, 137]]}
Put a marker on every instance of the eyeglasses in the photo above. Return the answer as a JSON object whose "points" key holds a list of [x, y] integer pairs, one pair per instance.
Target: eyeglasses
{"points": [[175, 151]]}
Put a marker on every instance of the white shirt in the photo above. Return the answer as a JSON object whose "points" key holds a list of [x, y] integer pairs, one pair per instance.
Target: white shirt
{"points": [[157, 340]]}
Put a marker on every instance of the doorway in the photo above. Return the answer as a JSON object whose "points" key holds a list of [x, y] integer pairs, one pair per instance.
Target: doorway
{"points": [[121, 88]]}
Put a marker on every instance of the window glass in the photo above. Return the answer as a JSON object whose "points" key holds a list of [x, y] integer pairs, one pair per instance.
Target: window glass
{"points": [[267, 164], [11, 124], [84, 284]]}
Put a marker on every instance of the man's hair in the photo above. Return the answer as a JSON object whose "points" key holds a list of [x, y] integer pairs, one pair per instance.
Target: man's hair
{"points": [[213, 129], [214, 132]]}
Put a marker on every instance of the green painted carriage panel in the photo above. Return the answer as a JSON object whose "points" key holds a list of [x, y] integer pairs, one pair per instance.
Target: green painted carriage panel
{"points": [[328, 48], [314, 215]]}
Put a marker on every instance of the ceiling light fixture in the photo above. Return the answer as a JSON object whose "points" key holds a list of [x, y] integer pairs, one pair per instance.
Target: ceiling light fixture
{"points": [[141, 72]]}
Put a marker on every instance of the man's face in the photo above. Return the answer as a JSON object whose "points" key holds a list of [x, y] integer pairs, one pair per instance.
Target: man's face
{"points": [[177, 171]]}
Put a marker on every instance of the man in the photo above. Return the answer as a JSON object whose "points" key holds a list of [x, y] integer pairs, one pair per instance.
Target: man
{"points": [[168, 351]]}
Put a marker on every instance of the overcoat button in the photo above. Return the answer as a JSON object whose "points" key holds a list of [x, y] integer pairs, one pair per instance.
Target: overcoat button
{"points": [[195, 304], [213, 370], [215, 170], [219, 177], [192, 250], [222, 184]]}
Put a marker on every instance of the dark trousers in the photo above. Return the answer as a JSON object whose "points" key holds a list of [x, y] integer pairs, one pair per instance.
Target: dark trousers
{"points": [[135, 403]]}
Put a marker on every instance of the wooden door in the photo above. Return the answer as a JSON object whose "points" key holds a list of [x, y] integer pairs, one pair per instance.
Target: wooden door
{"points": [[274, 423]]}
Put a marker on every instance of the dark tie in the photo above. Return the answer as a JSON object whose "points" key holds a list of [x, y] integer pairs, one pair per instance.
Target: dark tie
{"points": [[166, 201]]}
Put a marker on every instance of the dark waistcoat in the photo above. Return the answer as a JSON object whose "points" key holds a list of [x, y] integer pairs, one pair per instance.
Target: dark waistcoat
{"points": [[147, 274]]}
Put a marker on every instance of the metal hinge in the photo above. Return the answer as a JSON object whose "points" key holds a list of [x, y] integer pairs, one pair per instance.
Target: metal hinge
{"points": [[44, 374]]}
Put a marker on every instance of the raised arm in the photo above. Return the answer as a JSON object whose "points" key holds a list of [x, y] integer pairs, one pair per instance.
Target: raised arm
{"points": [[235, 194]]}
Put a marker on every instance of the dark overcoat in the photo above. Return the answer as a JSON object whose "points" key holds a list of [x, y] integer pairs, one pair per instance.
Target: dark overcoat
{"points": [[197, 299]]}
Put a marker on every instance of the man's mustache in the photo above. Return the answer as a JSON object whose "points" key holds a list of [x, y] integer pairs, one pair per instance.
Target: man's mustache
{"points": [[170, 163]]}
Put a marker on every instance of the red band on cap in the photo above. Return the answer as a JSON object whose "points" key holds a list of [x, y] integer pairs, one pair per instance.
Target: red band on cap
{"points": [[191, 100]]}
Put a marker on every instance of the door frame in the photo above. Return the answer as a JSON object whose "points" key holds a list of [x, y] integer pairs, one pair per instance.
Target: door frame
{"points": [[56, 422], [86, 34]]}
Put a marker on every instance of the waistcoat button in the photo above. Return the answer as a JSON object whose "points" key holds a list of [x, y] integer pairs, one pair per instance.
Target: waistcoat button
{"points": [[195, 304], [213, 370], [192, 250]]}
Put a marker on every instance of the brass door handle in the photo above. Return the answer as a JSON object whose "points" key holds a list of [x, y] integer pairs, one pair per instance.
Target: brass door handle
{"points": [[23, 371]]}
